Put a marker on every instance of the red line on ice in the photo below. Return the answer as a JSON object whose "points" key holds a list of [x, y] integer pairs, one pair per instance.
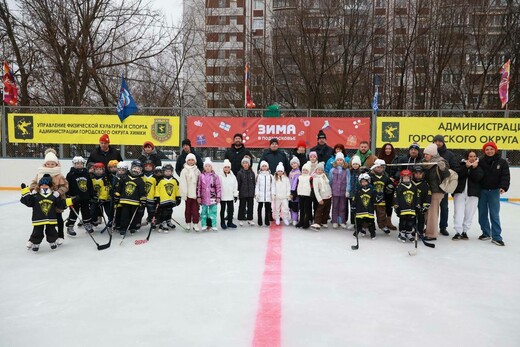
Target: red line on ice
{"points": [[269, 313]]}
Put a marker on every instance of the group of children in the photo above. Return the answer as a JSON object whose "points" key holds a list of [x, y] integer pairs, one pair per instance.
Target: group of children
{"points": [[304, 198]]}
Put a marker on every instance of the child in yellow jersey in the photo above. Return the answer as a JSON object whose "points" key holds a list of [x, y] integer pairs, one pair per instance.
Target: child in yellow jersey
{"points": [[167, 197], [150, 184], [101, 201]]}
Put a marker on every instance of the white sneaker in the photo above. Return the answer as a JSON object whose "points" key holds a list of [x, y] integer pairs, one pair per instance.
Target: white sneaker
{"points": [[294, 222], [196, 227], [343, 225], [189, 226], [29, 244], [316, 226], [325, 225], [241, 223], [335, 225], [214, 228], [277, 222], [350, 227], [287, 222], [59, 241], [251, 223]]}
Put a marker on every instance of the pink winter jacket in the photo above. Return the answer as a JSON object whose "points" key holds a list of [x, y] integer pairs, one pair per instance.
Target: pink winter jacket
{"points": [[209, 189]]}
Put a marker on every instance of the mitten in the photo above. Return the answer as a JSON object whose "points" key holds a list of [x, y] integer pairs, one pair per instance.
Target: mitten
{"points": [[442, 165], [347, 194], [56, 194], [178, 200], [23, 185]]}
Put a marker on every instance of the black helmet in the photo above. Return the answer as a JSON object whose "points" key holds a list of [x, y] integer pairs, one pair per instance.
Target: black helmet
{"points": [[417, 168], [167, 167]]}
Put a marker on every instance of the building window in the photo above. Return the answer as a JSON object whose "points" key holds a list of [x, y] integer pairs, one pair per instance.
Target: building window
{"points": [[221, 37], [222, 3], [379, 61], [259, 4], [280, 3], [380, 4], [221, 20], [221, 54], [258, 24]]}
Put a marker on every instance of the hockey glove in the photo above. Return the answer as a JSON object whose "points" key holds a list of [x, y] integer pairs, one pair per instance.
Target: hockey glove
{"points": [[177, 201], [235, 199], [347, 194], [56, 194], [116, 199], [142, 202], [23, 185]]}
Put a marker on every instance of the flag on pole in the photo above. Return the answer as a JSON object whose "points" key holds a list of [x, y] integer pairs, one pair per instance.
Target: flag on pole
{"points": [[503, 88], [247, 95], [126, 105], [375, 100], [10, 90]]}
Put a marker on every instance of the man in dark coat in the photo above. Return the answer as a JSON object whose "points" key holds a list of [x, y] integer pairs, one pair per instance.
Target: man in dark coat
{"points": [[181, 159], [273, 156], [413, 157], [454, 164], [237, 152], [323, 150], [104, 153]]}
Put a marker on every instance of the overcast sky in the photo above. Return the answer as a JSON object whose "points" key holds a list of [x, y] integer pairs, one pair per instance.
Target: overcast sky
{"points": [[172, 9]]}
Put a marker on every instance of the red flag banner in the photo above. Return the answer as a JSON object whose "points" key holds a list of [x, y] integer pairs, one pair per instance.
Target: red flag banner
{"points": [[503, 88], [247, 94], [257, 131], [10, 89]]}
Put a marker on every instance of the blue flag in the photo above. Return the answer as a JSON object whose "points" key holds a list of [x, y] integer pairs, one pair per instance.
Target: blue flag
{"points": [[375, 107], [125, 105]]}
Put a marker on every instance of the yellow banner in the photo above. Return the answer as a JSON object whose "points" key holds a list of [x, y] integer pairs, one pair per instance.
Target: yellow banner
{"points": [[87, 128], [459, 133]]}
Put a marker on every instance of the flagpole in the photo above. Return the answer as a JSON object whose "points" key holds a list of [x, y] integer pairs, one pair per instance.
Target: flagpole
{"points": [[506, 115], [4, 129]]}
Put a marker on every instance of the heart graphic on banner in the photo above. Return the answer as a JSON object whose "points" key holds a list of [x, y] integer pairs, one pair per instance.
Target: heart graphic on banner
{"points": [[215, 134], [340, 131]]}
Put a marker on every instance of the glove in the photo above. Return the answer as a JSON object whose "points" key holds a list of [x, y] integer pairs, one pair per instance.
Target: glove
{"points": [[142, 202], [235, 199], [23, 185], [294, 193], [33, 191], [442, 165], [425, 208], [347, 195], [177, 201], [56, 194], [116, 199], [218, 201], [71, 201]]}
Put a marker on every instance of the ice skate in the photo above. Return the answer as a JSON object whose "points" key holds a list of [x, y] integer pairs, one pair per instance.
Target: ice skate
{"points": [[35, 247], [295, 223], [163, 228], [335, 225], [373, 235], [386, 230], [241, 223], [277, 221], [213, 228], [70, 231], [343, 226], [287, 222], [196, 227], [464, 236], [59, 241], [316, 227], [53, 245], [231, 225], [401, 237], [325, 226], [251, 223], [29, 245], [88, 228], [170, 224]]}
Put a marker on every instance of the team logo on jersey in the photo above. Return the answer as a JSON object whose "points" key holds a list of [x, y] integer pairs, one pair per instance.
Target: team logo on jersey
{"points": [[97, 188], [408, 196], [365, 200], [129, 188], [82, 184], [45, 206], [169, 188], [390, 132], [147, 187], [161, 129], [379, 186]]}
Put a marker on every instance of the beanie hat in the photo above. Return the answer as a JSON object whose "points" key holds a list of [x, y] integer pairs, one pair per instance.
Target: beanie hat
{"points": [[273, 140], [438, 138], [238, 135], [191, 156], [340, 155], [112, 163], [104, 138], [245, 160], [280, 167], [321, 135], [320, 166], [378, 163], [431, 149], [149, 143], [356, 160], [295, 160], [227, 163], [489, 144], [414, 145], [313, 153], [50, 155], [186, 142], [46, 179], [207, 161], [307, 166], [263, 163], [301, 143]]}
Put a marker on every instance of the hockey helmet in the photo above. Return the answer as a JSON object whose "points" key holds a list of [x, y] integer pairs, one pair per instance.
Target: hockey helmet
{"points": [[364, 176], [78, 159], [406, 172], [417, 168]]}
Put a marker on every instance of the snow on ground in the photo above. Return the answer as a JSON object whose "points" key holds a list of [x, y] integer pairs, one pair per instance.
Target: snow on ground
{"points": [[202, 289]]}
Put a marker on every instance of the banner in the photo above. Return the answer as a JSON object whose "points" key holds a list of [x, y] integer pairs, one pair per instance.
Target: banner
{"points": [[87, 128], [257, 131], [458, 132]]}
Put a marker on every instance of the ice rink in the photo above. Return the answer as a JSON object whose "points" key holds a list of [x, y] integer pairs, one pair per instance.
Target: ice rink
{"points": [[257, 286]]}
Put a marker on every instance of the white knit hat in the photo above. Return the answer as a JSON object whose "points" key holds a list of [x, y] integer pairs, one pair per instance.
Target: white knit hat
{"points": [[431, 149], [340, 155], [307, 166], [190, 156], [50, 155], [355, 160], [263, 162], [320, 166], [245, 160], [207, 161], [227, 163], [280, 167], [295, 160]]}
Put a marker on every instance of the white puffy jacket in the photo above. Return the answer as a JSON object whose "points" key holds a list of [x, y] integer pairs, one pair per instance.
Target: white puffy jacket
{"points": [[263, 186], [188, 182], [281, 188], [229, 186], [304, 185], [322, 188]]}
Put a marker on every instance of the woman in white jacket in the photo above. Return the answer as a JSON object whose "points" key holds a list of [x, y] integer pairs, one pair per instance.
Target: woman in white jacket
{"points": [[263, 192], [281, 191], [229, 186]]}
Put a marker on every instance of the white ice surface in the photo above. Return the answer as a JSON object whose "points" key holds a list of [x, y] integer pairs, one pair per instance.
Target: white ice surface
{"points": [[194, 289]]}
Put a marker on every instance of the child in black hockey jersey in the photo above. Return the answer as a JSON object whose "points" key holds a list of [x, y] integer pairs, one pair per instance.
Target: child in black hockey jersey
{"points": [[131, 194], [363, 206], [80, 185], [44, 203], [150, 184], [425, 197], [167, 196], [405, 203]]}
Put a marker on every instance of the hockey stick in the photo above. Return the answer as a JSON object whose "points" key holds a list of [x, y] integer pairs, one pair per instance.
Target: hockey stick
{"points": [[129, 224], [106, 245], [414, 251], [427, 244], [182, 226], [152, 224], [89, 234], [356, 246]]}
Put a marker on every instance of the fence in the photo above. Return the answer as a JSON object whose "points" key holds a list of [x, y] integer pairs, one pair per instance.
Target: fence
{"points": [[33, 150]]}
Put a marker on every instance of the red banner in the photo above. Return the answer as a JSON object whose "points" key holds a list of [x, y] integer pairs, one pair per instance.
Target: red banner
{"points": [[257, 131]]}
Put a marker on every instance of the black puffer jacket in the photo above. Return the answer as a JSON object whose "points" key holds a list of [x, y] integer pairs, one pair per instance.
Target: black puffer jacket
{"points": [[496, 173], [153, 156], [471, 175], [449, 157], [434, 175], [181, 159], [98, 156], [273, 158], [235, 156], [324, 152], [404, 159], [246, 183]]}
